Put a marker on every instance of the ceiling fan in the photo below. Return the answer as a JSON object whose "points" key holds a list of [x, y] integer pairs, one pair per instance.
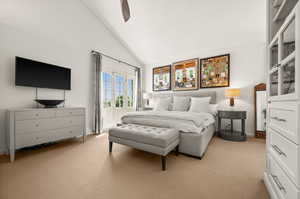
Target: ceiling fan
{"points": [[125, 10]]}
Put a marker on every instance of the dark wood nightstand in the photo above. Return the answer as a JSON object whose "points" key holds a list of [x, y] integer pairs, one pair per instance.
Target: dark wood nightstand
{"points": [[231, 134]]}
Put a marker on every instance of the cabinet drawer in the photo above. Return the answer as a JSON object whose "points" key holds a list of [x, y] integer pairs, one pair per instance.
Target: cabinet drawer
{"points": [[34, 114], [285, 152], [283, 186], [25, 140], [30, 126], [283, 117], [69, 112]]}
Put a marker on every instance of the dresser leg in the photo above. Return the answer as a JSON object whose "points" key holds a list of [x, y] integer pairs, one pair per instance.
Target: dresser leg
{"points": [[12, 155]]}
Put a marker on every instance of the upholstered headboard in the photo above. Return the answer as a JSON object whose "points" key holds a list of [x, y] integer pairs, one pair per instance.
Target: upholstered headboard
{"points": [[212, 94]]}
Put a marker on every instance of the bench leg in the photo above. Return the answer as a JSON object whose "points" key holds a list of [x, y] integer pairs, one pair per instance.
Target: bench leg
{"points": [[177, 150], [110, 146], [163, 162]]}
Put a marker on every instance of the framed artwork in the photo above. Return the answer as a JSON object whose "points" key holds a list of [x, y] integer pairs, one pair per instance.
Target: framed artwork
{"points": [[215, 71], [185, 75], [162, 78]]}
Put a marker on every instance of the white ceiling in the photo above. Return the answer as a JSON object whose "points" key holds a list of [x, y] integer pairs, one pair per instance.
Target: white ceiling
{"points": [[166, 30]]}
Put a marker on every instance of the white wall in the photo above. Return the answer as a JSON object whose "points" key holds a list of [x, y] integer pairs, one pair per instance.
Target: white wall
{"points": [[61, 32], [247, 68]]}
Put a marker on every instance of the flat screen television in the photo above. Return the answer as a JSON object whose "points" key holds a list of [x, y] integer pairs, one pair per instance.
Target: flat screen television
{"points": [[41, 75]]}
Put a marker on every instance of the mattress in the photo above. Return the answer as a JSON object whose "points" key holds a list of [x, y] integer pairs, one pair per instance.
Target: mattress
{"points": [[188, 122]]}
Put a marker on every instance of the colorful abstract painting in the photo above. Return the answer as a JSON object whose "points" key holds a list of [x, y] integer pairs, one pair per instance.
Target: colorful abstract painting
{"points": [[162, 78], [215, 71], [185, 75]]}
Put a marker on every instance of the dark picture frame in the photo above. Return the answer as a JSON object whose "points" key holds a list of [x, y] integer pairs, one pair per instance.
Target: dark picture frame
{"points": [[158, 74], [185, 75], [215, 71]]}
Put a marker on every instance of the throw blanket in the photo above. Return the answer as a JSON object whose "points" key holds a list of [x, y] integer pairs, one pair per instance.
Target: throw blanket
{"points": [[182, 121]]}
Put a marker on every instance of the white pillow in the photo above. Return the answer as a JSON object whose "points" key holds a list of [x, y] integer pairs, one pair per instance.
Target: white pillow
{"points": [[200, 104], [162, 104], [181, 103]]}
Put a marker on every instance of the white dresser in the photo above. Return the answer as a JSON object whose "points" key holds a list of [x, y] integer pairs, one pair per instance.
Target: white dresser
{"points": [[282, 175], [29, 127]]}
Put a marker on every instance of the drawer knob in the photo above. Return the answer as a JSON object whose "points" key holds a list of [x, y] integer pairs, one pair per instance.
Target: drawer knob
{"points": [[37, 114], [37, 125], [70, 112], [71, 132]]}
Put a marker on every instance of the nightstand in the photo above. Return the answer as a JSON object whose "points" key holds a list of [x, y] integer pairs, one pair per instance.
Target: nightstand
{"points": [[232, 134], [146, 109]]}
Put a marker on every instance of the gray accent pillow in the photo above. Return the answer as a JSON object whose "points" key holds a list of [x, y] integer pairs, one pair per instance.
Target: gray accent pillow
{"points": [[181, 103]]}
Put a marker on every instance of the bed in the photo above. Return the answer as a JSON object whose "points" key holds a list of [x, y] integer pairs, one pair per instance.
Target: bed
{"points": [[196, 129]]}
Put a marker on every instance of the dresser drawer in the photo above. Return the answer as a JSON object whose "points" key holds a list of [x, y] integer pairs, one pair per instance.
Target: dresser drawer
{"points": [[70, 121], [285, 152], [30, 126], [30, 139], [67, 133], [34, 114], [284, 117], [69, 112], [280, 181]]}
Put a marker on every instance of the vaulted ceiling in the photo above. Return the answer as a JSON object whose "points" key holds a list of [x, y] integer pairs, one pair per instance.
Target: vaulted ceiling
{"points": [[163, 30]]}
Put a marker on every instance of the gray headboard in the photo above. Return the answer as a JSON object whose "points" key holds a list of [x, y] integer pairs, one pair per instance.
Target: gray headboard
{"points": [[212, 94]]}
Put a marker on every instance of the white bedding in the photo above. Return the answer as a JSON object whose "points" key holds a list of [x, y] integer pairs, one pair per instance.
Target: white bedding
{"points": [[183, 121]]}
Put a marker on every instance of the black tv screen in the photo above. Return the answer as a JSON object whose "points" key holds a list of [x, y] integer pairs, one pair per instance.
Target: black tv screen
{"points": [[41, 75]]}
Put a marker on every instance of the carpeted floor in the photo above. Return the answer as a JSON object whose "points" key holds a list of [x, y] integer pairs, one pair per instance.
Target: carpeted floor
{"points": [[73, 170]]}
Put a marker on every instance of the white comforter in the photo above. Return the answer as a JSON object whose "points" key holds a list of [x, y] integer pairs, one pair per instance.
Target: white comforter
{"points": [[183, 121]]}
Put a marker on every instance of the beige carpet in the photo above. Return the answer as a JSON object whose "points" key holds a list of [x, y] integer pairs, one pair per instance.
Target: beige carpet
{"points": [[74, 170]]}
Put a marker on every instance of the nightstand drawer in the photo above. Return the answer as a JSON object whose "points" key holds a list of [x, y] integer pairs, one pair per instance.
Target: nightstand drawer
{"points": [[284, 117], [232, 114]]}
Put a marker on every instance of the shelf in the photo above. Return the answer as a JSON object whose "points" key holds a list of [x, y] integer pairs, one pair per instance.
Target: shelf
{"points": [[285, 8], [277, 3]]}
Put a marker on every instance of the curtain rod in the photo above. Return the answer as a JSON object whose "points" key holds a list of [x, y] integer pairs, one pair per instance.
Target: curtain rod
{"points": [[115, 59]]}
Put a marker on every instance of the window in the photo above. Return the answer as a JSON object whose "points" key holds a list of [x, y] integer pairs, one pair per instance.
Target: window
{"points": [[119, 97], [117, 90], [107, 89], [130, 92]]}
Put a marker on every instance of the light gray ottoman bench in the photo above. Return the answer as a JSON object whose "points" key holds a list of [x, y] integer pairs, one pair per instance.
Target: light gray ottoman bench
{"points": [[160, 141]]}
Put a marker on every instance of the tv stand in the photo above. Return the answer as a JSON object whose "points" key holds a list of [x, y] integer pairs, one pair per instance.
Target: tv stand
{"points": [[30, 127]]}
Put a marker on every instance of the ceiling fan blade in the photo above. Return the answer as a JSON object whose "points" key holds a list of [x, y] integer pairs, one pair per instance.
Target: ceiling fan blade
{"points": [[125, 10]]}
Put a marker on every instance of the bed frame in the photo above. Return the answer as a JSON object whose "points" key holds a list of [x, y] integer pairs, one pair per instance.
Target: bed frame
{"points": [[193, 144]]}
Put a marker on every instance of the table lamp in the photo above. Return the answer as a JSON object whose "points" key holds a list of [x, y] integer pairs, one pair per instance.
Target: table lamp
{"points": [[147, 96], [231, 94]]}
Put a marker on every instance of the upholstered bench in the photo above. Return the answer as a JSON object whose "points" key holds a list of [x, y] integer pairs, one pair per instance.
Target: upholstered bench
{"points": [[160, 141]]}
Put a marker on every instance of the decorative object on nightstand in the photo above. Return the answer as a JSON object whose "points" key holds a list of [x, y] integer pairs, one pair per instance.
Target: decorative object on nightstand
{"points": [[231, 134], [231, 94]]}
